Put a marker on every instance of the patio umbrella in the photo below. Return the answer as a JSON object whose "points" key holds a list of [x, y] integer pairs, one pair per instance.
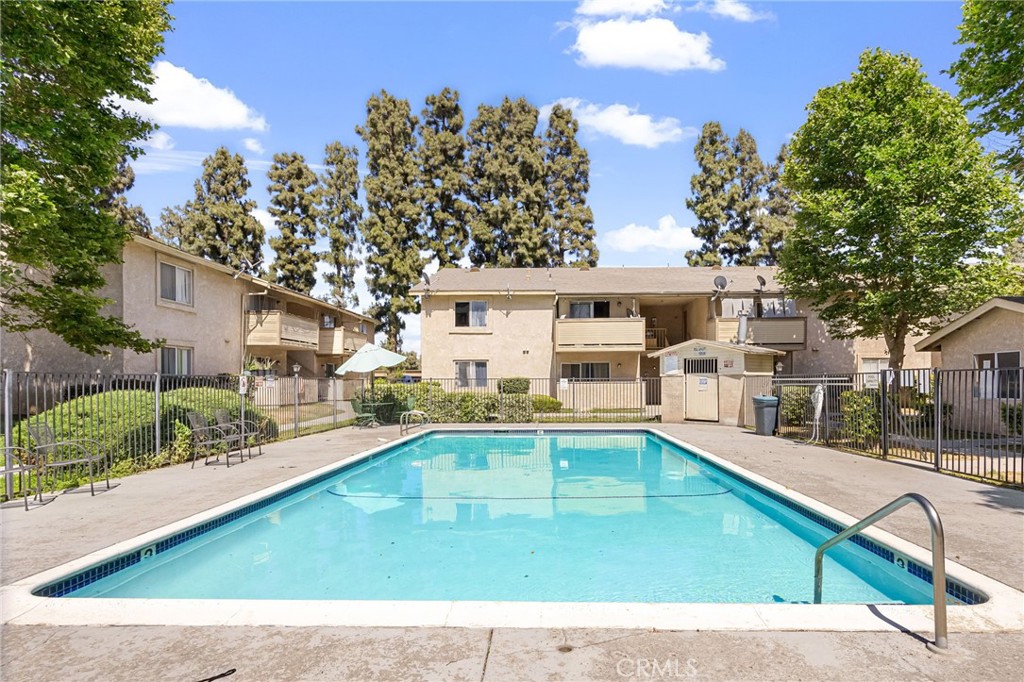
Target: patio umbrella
{"points": [[370, 358]]}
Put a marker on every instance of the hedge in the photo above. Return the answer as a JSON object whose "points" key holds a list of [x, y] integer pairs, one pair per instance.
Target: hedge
{"points": [[545, 403], [1013, 417], [514, 385], [479, 407], [862, 415]]}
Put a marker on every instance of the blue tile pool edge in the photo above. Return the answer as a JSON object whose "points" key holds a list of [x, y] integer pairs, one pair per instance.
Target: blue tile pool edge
{"points": [[956, 592]]}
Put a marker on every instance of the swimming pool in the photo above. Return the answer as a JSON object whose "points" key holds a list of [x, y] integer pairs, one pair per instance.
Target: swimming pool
{"points": [[555, 516]]}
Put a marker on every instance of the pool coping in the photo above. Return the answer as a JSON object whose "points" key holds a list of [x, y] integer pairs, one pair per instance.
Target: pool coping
{"points": [[1003, 611]]}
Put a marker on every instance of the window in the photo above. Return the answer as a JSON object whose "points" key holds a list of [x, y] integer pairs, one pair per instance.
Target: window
{"points": [[174, 360], [362, 328], [471, 373], [471, 314], [776, 307], [328, 322], [175, 284], [1001, 375], [589, 309], [585, 370], [874, 365]]}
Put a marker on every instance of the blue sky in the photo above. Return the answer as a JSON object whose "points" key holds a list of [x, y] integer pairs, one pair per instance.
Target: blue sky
{"points": [[642, 76]]}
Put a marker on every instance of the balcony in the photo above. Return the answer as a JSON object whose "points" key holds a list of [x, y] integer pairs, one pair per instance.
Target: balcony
{"points": [[600, 334], [783, 333], [339, 341], [657, 337], [278, 329]]}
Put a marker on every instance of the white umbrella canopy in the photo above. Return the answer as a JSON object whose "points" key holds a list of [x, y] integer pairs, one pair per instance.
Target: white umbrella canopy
{"points": [[370, 358]]}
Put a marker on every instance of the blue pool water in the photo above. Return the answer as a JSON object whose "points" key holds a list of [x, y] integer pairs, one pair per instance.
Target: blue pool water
{"points": [[563, 516]]}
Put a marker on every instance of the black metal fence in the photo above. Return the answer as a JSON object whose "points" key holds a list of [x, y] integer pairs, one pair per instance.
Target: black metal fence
{"points": [[965, 422]]}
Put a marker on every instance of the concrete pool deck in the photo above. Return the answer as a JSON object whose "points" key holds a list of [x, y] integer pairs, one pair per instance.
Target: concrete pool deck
{"points": [[984, 531]]}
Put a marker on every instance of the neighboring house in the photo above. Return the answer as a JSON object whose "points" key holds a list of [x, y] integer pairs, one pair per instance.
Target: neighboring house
{"points": [[603, 323], [213, 320]]}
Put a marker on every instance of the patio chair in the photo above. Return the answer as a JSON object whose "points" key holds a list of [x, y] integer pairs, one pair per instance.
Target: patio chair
{"points": [[211, 439], [50, 454], [21, 464], [411, 416], [250, 431], [363, 418]]}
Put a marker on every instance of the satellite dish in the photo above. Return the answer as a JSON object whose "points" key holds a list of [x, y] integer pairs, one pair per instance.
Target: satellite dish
{"points": [[761, 281], [426, 279], [721, 283]]}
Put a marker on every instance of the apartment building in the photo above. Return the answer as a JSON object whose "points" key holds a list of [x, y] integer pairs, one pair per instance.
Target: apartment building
{"points": [[604, 323], [213, 320]]}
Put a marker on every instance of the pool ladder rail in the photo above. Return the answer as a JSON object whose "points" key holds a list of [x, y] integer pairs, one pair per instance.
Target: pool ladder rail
{"points": [[941, 642], [405, 420]]}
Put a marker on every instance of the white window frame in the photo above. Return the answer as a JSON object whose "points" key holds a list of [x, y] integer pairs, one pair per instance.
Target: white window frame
{"points": [[185, 353], [476, 314], [472, 378], [328, 321], [589, 307], [184, 284], [585, 368]]}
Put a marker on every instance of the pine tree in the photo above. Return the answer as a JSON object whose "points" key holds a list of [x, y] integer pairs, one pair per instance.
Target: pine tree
{"points": [[218, 223], [294, 194], [506, 187], [389, 230], [710, 192], [442, 159], [131, 218], [339, 215], [567, 179], [744, 203], [778, 216]]}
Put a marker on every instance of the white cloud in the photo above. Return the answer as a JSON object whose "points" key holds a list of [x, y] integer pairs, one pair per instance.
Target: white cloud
{"points": [[655, 44], [167, 161], [186, 101], [159, 140], [668, 235], [266, 220], [624, 123], [253, 145], [620, 8], [731, 9]]}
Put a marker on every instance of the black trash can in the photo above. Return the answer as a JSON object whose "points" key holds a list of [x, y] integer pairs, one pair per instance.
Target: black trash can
{"points": [[766, 414]]}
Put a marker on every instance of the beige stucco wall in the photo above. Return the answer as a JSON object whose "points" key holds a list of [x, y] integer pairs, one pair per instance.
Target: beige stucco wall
{"points": [[998, 331], [673, 398], [517, 341], [212, 325]]}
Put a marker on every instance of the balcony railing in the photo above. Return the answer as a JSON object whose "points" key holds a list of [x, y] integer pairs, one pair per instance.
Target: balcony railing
{"points": [[610, 333], [280, 329], [340, 341], [657, 337], [787, 332]]}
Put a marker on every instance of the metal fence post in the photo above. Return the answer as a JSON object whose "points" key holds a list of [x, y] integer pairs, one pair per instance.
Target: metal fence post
{"points": [[937, 419], [156, 415], [8, 456], [828, 416], [884, 392], [333, 392], [295, 383]]}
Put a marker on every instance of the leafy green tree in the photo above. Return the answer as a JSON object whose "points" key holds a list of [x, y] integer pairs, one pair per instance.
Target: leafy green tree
{"points": [[744, 203], [442, 159], [990, 73], [710, 188], [65, 67], [901, 214], [506, 188], [390, 228], [294, 195], [778, 215], [569, 220], [218, 222], [340, 214], [114, 201]]}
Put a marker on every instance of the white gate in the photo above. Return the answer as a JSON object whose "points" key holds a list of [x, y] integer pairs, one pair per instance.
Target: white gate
{"points": [[701, 389]]}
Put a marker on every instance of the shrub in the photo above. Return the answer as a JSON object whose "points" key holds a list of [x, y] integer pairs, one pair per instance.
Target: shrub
{"points": [[461, 408], [793, 407], [862, 416], [514, 385], [1013, 417], [545, 403]]}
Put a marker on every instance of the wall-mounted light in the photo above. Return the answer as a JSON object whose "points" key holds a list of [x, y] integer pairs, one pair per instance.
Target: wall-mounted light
{"points": [[295, 369]]}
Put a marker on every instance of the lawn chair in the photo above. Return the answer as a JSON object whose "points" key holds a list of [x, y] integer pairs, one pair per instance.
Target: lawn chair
{"points": [[363, 418], [411, 416], [50, 454], [210, 439], [22, 463], [248, 429]]}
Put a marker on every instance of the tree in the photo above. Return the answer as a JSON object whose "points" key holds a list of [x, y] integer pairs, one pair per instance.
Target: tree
{"points": [[710, 192], [340, 214], [506, 187], [131, 218], [901, 214], [990, 73], [294, 195], [65, 68], [389, 230], [744, 203], [570, 222], [218, 223], [778, 214], [442, 159]]}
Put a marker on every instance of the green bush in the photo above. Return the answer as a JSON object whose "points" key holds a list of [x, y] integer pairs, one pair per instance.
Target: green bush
{"points": [[862, 415], [514, 385], [1013, 417], [545, 403], [462, 408], [794, 406]]}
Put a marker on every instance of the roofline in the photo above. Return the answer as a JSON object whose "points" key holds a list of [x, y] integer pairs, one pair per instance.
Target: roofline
{"points": [[172, 250], [753, 350], [420, 291], [932, 343]]}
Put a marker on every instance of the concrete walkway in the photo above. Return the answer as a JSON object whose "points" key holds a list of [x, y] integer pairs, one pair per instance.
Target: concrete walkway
{"points": [[984, 527]]}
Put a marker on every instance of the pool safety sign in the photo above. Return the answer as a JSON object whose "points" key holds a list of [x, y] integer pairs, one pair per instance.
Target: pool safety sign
{"points": [[702, 384]]}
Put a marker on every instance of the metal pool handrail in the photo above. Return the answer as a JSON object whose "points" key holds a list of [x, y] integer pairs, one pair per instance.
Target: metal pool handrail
{"points": [[938, 556]]}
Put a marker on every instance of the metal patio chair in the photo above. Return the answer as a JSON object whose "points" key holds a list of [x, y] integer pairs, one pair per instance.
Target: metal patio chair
{"points": [[51, 454], [212, 440], [363, 418], [22, 463], [250, 431]]}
